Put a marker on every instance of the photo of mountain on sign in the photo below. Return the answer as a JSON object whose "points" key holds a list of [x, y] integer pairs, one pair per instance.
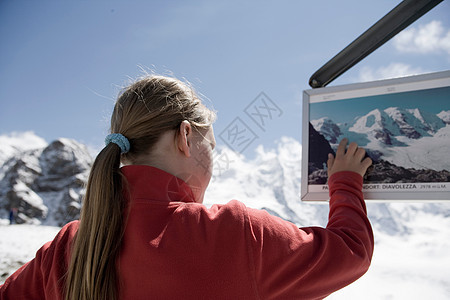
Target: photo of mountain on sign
{"points": [[407, 135]]}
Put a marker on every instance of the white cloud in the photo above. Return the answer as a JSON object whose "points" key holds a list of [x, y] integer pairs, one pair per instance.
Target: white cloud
{"points": [[393, 70], [429, 38]]}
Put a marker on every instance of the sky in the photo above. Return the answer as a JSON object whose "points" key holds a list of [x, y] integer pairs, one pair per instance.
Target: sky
{"points": [[62, 63]]}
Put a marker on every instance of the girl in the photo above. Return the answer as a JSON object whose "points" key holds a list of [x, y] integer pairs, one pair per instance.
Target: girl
{"points": [[144, 233]]}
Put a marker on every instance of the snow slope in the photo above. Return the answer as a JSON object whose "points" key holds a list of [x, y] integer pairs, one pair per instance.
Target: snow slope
{"points": [[19, 243], [424, 153]]}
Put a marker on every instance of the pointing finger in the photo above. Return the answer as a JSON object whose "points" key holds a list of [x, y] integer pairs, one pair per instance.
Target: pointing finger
{"points": [[341, 148], [360, 153], [330, 160], [352, 148]]}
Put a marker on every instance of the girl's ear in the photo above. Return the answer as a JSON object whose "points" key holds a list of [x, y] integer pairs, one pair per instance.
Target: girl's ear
{"points": [[184, 136]]}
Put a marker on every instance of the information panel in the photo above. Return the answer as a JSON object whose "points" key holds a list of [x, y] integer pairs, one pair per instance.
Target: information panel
{"points": [[404, 125]]}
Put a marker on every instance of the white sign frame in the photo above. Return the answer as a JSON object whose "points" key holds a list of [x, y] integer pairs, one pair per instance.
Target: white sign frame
{"points": [[375, 191]]}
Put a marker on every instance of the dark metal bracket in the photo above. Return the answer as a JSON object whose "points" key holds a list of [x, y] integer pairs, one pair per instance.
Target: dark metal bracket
{"points": [[382, 31]]}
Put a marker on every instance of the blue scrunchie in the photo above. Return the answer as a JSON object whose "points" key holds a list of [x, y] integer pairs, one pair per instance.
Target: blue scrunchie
{"points": [[119, 140]]}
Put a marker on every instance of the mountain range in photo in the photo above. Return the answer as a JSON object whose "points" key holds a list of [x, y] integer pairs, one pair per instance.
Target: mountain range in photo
{"points": [[406, 145]]}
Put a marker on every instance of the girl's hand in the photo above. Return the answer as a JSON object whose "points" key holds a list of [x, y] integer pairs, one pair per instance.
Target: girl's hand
{"points": [[350, 160]]}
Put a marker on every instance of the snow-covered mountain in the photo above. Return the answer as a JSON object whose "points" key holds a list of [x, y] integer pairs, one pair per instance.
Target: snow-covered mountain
{"points": [[16, 142], [390, 124], [394, 133], [444, 116], [328, 129], [44, 184]]}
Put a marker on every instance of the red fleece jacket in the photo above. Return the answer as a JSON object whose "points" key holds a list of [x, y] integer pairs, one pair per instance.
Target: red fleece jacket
{"points": [[174, 248]]}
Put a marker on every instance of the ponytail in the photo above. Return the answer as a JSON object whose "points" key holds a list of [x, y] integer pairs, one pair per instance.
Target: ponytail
{"points": [[143, 112], [92, 269]]}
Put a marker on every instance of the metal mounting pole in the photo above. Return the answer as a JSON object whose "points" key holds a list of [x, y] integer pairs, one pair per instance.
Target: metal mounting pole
{"points": [[387, 27]]}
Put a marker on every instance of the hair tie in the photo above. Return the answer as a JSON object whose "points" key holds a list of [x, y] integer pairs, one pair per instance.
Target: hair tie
{"points": [[120, 140]]}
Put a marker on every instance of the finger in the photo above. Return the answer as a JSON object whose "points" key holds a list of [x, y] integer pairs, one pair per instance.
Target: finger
{"points": [[330, 161], [366, 163], [352, 148], [341, 148], [360, 153]]}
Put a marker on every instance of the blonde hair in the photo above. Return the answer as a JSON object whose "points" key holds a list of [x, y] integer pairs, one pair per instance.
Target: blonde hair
{"points": [[143, 111]]}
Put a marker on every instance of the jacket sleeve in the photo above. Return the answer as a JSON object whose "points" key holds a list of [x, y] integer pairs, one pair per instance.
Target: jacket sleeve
{"points": [[312, 262], [43, 276]]}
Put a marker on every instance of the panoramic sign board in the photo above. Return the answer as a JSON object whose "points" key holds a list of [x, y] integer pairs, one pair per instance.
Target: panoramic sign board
{"points": [[404, 125]]}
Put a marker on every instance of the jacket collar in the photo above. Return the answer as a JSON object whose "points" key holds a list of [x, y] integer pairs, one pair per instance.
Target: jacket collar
{"points": [[146, 182]]}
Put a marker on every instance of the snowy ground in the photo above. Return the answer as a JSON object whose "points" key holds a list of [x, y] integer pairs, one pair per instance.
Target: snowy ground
{"points": [[424, 153], [414, 266], [19, 243]]}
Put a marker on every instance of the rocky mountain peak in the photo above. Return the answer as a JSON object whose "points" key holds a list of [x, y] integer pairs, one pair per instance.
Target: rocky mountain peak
{"points": [[389, 126], [444, 116], [45, 185], [327, 128], [65, 157]]}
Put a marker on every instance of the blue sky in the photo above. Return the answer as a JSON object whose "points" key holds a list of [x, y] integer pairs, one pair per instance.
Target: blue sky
{"points": [[62, 63]]}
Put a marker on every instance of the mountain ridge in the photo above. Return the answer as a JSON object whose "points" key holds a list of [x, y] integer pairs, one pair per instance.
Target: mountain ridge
{"points": [[270, 181], [46, 184], [393, 132]]}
